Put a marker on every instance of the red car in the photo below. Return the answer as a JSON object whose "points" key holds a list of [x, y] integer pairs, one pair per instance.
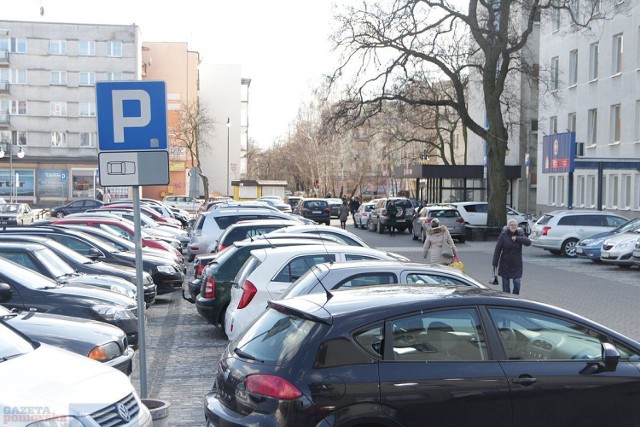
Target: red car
{"points": [[147, 211]]}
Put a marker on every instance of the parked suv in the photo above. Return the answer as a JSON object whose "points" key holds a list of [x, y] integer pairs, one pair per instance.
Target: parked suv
{"points": [[475, 213], [447, 215], [559, 231], [379, 220], [315, 209]]}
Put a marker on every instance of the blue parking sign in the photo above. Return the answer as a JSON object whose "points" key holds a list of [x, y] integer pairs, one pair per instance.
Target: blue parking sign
{"points": [[132, 115]]}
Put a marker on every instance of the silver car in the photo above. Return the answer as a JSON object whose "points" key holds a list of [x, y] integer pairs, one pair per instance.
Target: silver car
{"points": [[618, 249]]}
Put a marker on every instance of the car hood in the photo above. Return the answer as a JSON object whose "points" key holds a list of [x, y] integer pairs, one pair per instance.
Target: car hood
{"points": [[74, 382], [102, 281], [70, 333], [622, 237], [600, 236], [96, 294]]}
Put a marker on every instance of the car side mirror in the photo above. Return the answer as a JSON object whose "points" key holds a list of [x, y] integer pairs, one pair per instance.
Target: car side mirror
{"points": [[94, 254], [610, 357], [5, 292]]}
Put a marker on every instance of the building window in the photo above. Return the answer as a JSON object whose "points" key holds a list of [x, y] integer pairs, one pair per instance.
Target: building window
{"points": [[580, 191], [617, 51], [555, 20], [87, 78], [636, 193], [573, 68], [88, 140], [59, 78], [591, 191], [58, 108], [555, 71], [14, 137], [592, 127], [115, 76], [595, 7], [571, 122], [87, 48], [87, 109], [114, 48], [560, 193], [19, 108], [615, 124], [604, 192], [19, 77], [552, 190], [594, 50], [58, 139], [615, 183], [553, 125], [58, 47], [574, 9]]}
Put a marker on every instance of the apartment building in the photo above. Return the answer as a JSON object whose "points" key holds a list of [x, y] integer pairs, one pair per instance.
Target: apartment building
{"points": [[590, 111], [48, 124]]}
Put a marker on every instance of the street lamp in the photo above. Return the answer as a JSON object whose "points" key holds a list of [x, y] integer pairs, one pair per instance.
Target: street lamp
{"points": [[228, 149], [9, 147]]}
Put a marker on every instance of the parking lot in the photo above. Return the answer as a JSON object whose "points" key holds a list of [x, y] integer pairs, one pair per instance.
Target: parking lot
{"points": [[183, 350]]}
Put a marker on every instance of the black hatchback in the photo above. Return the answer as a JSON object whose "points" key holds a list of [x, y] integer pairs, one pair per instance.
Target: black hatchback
{"points": [[412, 356], [317, 210]]}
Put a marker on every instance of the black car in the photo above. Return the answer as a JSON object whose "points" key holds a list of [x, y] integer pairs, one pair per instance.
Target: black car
{"points": [[26, 290], [43, 260], [79, 205], [82, 264], [166, 275], [315, 209], [379, 217], [214, 293], [96, 340], [416, 355]]}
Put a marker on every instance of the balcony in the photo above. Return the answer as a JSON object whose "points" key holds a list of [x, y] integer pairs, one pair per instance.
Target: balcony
{"points": [[4, 87], [4, 120], [4, 58]]}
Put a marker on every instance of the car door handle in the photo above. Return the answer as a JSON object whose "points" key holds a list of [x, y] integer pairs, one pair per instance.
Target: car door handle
{"points": [[524, 380]]}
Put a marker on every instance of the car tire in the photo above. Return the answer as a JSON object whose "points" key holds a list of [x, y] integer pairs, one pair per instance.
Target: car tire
{"points": [[380, 227], [370, 225], [60, 215], [569, 248], [462, 239]]}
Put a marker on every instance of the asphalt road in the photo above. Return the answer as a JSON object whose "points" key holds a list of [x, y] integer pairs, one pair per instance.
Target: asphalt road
{"points": [[183, 350]]}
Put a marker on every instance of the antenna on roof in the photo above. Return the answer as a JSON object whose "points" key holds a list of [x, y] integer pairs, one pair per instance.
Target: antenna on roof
{"points": [[327, 293]]}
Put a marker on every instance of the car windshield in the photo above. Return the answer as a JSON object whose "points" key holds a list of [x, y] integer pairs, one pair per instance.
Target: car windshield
{"points": [[25, 277], [56, 265], [12, 344], [275, 338], [628, 226], [9, 208]]}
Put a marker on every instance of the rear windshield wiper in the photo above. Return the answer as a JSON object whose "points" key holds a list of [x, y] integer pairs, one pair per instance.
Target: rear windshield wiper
{"points": [[246, 355]]}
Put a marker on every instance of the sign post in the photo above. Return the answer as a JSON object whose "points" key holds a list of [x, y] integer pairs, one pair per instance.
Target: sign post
{"points": [[133, 151]]}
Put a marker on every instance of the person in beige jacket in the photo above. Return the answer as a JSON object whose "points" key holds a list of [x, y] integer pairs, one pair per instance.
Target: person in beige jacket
{"points": [[432, 248]]}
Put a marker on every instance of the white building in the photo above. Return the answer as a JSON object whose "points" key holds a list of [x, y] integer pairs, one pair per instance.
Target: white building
{"points": [[47, 103], [595, 92]]}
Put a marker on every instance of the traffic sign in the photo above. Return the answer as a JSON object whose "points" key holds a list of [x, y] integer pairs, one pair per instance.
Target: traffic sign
{"points": [[132, 168], [132, 115]]}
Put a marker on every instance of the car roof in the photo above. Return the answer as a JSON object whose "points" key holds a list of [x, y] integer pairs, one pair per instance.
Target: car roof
{"points": [[325, 247], [28, 246], [239, 209]]}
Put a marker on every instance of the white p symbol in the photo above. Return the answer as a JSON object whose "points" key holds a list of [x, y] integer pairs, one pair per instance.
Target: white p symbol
{"points": [[120, 122]]}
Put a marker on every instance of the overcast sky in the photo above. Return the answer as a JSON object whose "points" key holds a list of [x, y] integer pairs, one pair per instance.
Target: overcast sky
{"points": [[282, 45]]}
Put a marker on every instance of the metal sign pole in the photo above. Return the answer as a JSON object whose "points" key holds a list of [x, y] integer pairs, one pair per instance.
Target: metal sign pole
{"points": [[142, 349]]}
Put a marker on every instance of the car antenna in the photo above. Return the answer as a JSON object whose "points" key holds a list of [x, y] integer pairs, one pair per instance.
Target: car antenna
{"points": [[328, 293]]}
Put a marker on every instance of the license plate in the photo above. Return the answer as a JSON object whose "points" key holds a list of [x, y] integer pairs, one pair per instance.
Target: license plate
{"points": [[604, 255], [579, 251], [636, 254], [450, 228], [316, 212]]}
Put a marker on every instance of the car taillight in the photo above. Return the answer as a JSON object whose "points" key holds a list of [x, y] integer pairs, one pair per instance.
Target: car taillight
{"points": [[248, 292], [209, 288], [460, 220], [305, 210], [327, 210], [545, 230], [221, 248], [199, 269], [272, 386]]}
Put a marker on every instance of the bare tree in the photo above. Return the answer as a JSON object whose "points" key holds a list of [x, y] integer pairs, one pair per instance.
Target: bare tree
{"points": [[191, 132], [392, 46]]}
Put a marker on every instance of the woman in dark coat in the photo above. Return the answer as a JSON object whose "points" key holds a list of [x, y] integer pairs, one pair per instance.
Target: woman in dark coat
{"points": [[507, 255], [392, 210]]}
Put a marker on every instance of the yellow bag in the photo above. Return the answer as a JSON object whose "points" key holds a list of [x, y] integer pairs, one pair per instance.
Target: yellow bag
{"points": [[456, 263]]}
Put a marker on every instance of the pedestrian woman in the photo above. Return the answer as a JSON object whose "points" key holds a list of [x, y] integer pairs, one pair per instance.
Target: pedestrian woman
{"points": [[392, 211], [343, 214], [507, 255], [437, 237]]}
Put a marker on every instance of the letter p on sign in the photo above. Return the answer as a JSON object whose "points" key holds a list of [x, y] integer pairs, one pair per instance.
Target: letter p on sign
{"points": [[120, 121]]}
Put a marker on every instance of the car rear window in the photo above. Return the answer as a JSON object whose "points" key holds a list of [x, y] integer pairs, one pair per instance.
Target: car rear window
{"points": [[404, 203], [444, 213], [316, 204], [545, 219], [274, 338]]}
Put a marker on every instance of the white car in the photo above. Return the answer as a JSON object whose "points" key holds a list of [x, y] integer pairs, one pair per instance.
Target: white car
{"points": [[47, 386], [269, 272], [361, 216], [475, 213], [188, 203], [344, 236], [619, 249]]}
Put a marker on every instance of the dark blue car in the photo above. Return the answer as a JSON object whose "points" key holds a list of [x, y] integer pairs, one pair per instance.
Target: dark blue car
{"points": [[590, 247], [79, 205]]}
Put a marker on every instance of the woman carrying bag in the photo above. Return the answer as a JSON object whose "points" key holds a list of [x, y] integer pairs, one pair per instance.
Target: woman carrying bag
{"points": [[507, 255], [438, 245]]}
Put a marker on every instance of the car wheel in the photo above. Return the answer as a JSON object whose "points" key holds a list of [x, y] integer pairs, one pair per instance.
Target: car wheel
{"points": [[60, 215], [569, 248], [462, 239], [380, 227], [370, 226]]}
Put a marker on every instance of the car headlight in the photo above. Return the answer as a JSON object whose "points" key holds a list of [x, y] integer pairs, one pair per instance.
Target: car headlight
{"points": [[105, 352], [626, 245], [67, 421], [127, 292], [166, 269], [113, 312]]}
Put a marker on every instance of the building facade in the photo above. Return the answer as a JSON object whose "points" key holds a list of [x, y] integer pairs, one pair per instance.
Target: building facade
{"points": [[48, 73]]}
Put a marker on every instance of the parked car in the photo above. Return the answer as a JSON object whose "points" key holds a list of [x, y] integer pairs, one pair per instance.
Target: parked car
{"points": [[334, 206], [361, 216], [23, 289], [590, 246], [618, 249], [15, 214], [475, 213], [276, 202], [51, 387], [96, 340], [315, 209], [167, 275], [214, 292], [39, 258], [163, 217], [343, 236], [379, 220], [210, 225], [635, 255], [188, 203], [559, 231], [354, 274], [83, 264], [76, 206], [293, 201], [270, 271], [446, 214], [400, 355], [248, 229]]}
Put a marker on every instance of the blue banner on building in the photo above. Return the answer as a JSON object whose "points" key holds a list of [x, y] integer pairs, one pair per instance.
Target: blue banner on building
{"points": [[559, 152]]}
